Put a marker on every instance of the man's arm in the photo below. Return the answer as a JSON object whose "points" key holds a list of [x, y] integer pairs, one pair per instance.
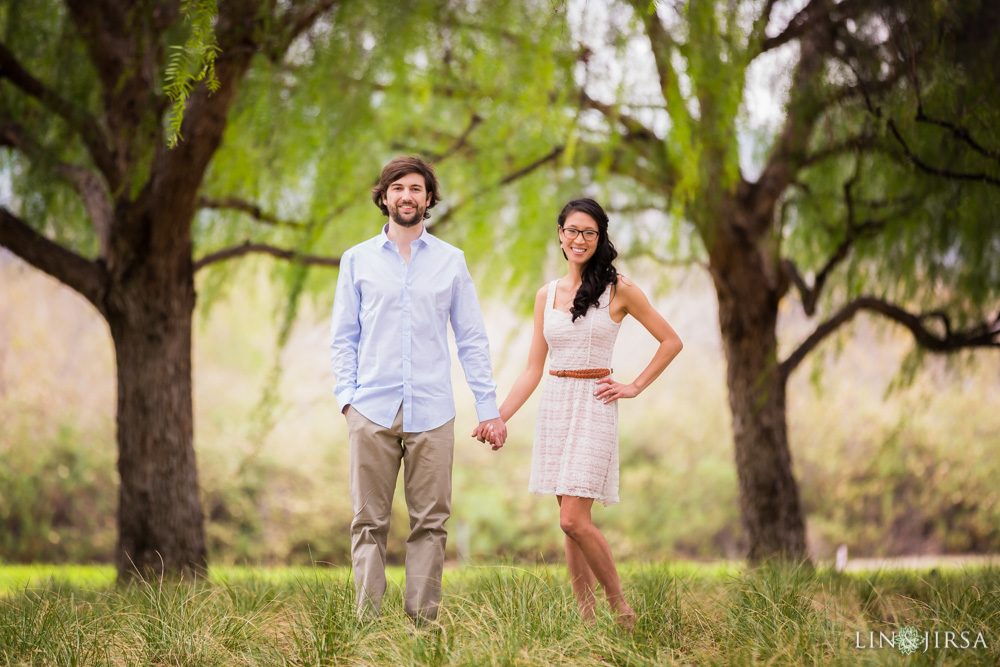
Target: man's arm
{"points": [[345, 334], [474, 349]]}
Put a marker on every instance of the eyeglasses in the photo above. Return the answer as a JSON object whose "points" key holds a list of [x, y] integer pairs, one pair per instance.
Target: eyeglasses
{"points": [[588, 234]]}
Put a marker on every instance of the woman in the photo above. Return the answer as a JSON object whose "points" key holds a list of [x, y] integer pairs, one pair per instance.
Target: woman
{"points": [[575, 455]]}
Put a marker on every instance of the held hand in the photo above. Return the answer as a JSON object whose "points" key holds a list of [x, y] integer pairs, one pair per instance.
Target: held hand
{"points": [[608, 390], [493, 431]]}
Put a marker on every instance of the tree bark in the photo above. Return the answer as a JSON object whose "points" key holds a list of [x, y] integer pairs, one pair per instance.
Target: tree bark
{"points": [[748, 288], [160, 521]]}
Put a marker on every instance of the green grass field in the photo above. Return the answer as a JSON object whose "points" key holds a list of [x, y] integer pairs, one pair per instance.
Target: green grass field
{"points": [[689, 614]]}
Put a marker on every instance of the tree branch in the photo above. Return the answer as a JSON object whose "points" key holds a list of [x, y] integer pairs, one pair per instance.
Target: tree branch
{"points": [[850, 144], [957, 131], [296, 21], [88, 184], [247, 248], [238, 33], [759, 32], [435, 227], [855, 231], [86, 277], [790, 147], [986, 334], [662, 44], [937, 171], [669, 262], [457, 144], [815, 14], [795, 277], [460, 143], [864, 89], [635, 208], [251, 209], [634, 129], [85, 125], [181, 170], [640, 139]]}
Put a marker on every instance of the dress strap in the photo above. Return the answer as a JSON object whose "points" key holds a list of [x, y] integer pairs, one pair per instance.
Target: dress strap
{"points": [[551, 298]]}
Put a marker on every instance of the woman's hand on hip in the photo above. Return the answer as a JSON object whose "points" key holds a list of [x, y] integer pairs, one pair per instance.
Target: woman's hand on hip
{"points": [[608, 390]]}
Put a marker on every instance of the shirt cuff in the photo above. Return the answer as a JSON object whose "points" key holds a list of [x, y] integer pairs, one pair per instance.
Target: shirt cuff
{"points": [[345, 397], [487, 409]]}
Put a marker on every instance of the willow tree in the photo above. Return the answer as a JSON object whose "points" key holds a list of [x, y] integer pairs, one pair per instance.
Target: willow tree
{"points": [[275, 153], [858, 203]]}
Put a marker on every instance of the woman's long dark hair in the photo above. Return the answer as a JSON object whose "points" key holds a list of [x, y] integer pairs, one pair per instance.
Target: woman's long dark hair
{"points": [[599, 272]]}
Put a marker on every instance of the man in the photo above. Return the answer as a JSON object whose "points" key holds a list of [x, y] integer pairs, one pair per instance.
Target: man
{"points": [[389, 347]]}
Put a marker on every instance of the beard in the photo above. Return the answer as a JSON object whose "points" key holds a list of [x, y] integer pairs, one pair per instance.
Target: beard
{"points": [[403, 221]]}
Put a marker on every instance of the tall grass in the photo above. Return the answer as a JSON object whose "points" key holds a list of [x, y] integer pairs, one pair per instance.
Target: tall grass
{"points": [[504, 615]]}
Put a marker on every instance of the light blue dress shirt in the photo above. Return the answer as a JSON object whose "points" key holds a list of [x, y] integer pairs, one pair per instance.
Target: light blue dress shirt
{"points": [[389, 335]]}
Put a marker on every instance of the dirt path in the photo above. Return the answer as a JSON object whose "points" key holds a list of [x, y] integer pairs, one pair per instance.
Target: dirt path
{"points": [[920, 562]]}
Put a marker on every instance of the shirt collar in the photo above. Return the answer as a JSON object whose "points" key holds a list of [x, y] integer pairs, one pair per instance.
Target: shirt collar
{"points": [[424, 237]]}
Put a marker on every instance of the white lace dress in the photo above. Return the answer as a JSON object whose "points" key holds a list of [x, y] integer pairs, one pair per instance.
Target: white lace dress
{"points": [[576, 435]]}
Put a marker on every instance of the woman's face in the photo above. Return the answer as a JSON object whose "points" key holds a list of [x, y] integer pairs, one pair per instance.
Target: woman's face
{"points": [[573, 237]]}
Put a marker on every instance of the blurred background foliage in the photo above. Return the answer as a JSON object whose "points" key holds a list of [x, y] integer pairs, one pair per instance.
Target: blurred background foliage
{"points": [[885, 467], [892, 456]]}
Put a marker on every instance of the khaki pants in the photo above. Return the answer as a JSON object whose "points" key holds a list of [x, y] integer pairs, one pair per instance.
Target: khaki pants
{"points": [[376, 453]]}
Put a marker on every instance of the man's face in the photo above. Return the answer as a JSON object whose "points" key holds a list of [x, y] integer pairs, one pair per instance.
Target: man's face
{"points": [[407, 199]]}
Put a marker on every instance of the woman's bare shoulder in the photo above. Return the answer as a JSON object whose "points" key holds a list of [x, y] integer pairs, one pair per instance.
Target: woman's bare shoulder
{"points": [[631, 295]]}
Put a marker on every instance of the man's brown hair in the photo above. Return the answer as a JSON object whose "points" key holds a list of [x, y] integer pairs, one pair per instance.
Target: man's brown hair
{"points": [[400, 167]]}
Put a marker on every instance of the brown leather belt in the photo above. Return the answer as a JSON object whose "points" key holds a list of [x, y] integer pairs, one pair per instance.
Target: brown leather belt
{"points": [[584, 374]]}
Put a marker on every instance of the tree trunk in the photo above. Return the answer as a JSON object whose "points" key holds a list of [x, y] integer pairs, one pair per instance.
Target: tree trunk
{"points": [[748, 293], [160, 522]]}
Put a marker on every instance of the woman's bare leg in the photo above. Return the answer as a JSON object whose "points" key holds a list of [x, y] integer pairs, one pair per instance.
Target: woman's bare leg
{"points": [[581, 576], [574, 519]]}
